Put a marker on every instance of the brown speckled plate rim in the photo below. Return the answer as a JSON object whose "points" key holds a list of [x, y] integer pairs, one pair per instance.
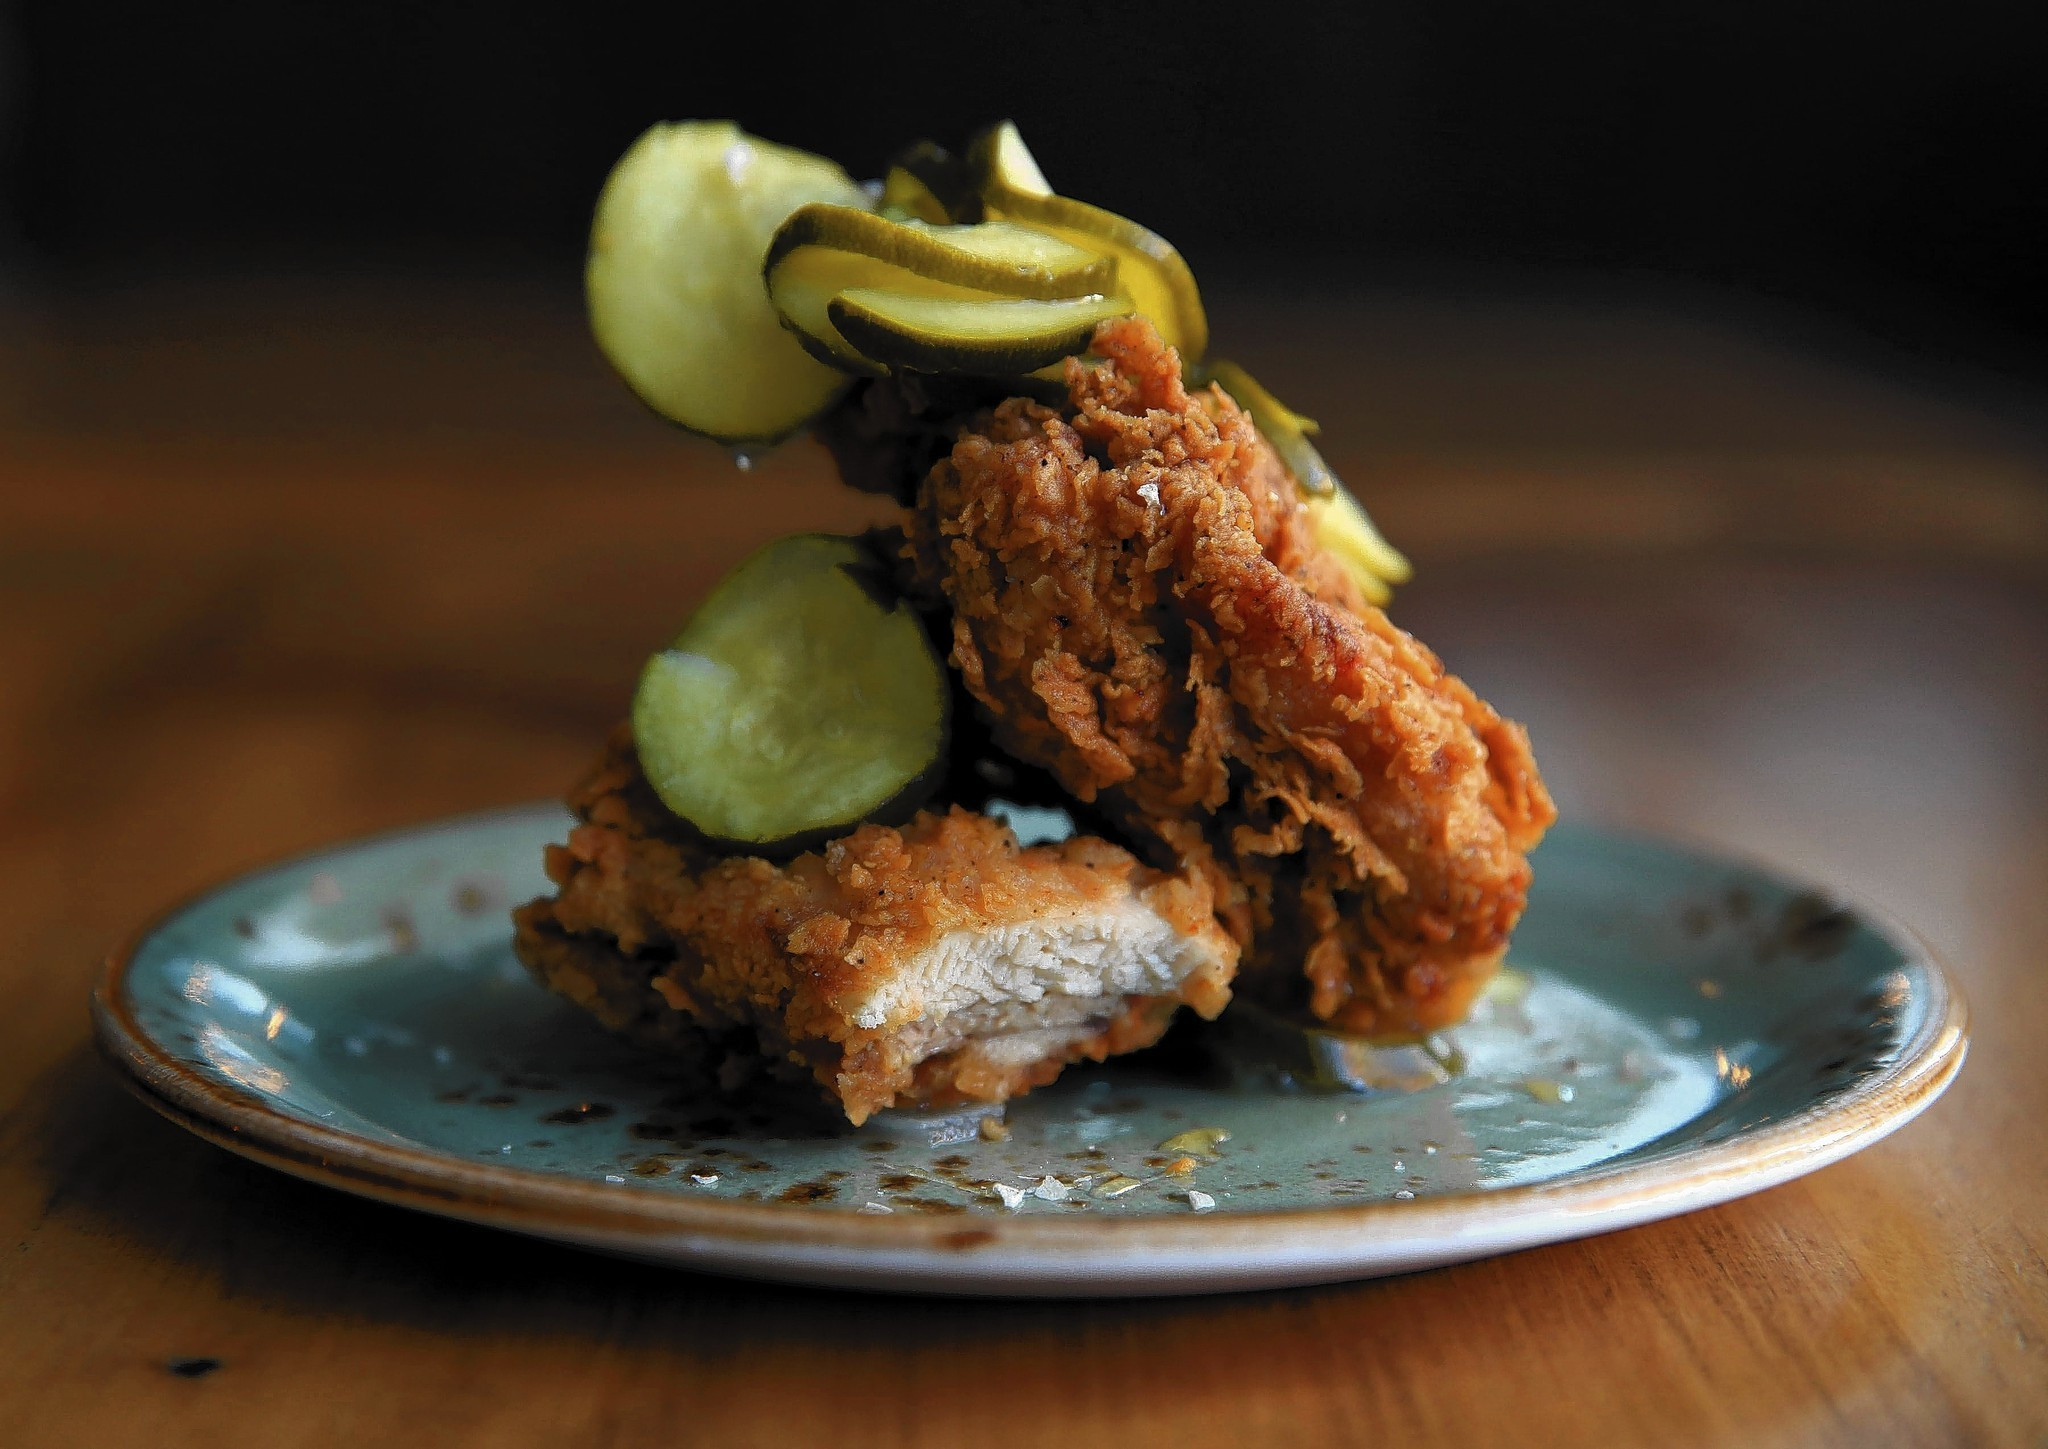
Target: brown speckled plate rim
{"points": [[1168, 1252]]}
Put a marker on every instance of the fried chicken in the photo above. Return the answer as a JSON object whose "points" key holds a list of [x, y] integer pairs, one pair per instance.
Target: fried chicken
{"points": [[1138, 604], [929, 965]]}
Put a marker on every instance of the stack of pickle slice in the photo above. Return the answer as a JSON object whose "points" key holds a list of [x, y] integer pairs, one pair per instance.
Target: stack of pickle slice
{"points": [[873, 293], [740, 287]]}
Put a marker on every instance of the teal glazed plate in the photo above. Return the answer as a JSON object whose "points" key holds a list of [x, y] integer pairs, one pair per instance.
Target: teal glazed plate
{"points": [[1674, 1030]]}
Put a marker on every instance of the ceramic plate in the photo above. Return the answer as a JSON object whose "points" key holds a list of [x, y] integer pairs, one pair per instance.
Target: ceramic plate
{"points": [[1675, 1031]]}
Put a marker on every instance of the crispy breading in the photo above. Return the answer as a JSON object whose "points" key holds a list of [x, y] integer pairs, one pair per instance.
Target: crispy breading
{"points": [[1139, 605], [929, 964]]}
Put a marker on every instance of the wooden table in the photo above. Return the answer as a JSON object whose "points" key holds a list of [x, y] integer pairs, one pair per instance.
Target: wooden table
{"points": [[280, 565]]}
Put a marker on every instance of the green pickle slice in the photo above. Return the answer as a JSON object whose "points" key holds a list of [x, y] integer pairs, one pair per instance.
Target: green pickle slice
{"points": [[1014, 261], [1000, 155], [821, 252], [1341, 523], [905, 196], [1149, 271], [673, 279], [974, 335], [930, 168], [799, 700], [1287, 430], [1343, 527]]}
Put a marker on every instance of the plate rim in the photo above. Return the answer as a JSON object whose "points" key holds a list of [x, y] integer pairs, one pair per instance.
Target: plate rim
{"points": [[1164, 1252]]}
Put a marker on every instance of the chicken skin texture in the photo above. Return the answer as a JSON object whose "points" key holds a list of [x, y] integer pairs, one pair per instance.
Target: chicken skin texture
{"points": [[1139, 606]]}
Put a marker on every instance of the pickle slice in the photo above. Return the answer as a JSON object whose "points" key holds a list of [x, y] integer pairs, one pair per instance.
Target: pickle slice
{"points": [[821, 251], [1251, 395], [1280, 425], [673, 278], [801, 290], [1149, 271], [978, 335], [1340, 521], [799, 698], [1343, 528], [903, 195], [942, 174], [1014, 261], [999, 153]]}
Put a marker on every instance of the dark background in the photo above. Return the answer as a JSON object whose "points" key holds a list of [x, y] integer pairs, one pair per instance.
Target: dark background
{"points": [[1885, 165]]}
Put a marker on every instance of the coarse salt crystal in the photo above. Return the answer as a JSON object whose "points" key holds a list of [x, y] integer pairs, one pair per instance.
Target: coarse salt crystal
{"points": [[1051, 1189], [1200, 1201], [1013, 1197]]}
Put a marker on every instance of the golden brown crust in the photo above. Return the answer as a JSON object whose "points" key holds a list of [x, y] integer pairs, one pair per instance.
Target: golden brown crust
{"points": [[1140, 606], [672, 944]]}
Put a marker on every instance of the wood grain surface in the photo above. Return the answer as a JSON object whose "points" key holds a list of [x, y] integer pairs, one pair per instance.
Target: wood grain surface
{"points": [[280, 565]]}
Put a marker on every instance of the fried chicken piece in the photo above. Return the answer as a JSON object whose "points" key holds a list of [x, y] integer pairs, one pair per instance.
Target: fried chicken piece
{"points": [[931, 965], [1139, 606]]}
